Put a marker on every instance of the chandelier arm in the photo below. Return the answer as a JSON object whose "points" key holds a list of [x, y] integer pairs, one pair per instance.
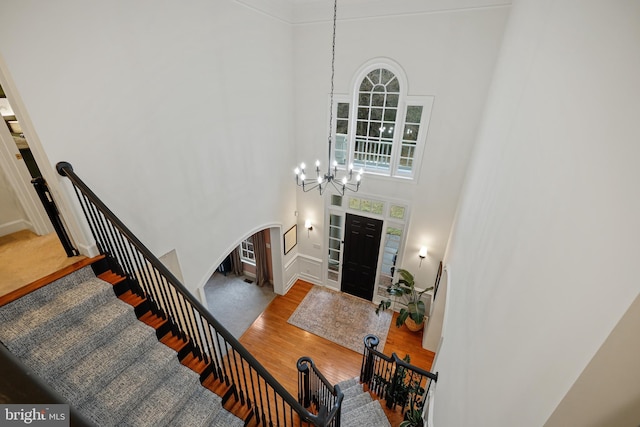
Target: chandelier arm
{"points": [[310, 185]]}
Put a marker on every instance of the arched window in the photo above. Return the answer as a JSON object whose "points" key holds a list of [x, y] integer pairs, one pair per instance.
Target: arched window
{"points": [[388, 128]]}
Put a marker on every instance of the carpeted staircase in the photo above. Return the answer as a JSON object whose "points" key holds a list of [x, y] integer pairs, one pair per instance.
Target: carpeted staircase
{"points": [[359, 409], [91, 348]]}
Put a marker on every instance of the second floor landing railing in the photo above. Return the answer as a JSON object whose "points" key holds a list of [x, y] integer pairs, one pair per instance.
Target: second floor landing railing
{"points": [[398, 382], [231, 365]]}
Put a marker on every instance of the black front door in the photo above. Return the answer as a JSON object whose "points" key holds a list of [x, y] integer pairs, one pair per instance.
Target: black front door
{"points": [[360, 260]]}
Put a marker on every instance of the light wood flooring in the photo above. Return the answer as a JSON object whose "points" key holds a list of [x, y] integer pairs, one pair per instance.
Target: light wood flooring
{"points": [[26, 257], [278, 345]]}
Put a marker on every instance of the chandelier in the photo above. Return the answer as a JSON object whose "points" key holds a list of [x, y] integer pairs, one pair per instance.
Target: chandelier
{"points": [[322, 181]]}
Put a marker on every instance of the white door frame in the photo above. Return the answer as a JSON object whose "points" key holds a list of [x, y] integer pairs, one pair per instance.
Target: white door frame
{"points": [[20, 179], [21, 184]]}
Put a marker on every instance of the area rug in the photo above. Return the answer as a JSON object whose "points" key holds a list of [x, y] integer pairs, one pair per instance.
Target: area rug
{"points": [[341, 318]]}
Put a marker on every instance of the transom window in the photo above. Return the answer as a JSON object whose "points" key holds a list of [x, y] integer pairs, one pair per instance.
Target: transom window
{"points": [[385, 130]]}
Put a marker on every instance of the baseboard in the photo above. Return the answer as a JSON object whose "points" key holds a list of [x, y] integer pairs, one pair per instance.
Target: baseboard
{"points": [[333, 288], [303, 267], [310, 269], [290, 283], [14, 226], [88, 250]]}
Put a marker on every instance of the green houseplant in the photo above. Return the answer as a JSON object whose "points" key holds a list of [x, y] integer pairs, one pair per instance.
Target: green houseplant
{"points": [[405, 392], [414, 308]]}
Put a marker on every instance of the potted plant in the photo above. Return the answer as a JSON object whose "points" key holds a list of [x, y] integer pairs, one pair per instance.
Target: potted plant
{"points": [[413, 312], [405, 392]]}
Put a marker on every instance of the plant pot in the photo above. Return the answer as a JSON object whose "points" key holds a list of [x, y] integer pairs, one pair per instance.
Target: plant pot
{"points": [[413, 326]]}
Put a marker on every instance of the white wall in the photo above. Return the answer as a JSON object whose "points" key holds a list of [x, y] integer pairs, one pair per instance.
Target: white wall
{"points": [[607, 393], [193, 102], [177, 114], [433, 331], [12, 216], [449, 55], [545, 245]]}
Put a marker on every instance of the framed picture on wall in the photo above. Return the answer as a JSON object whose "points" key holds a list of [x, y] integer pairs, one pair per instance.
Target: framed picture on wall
{"points": [[290, 238]]}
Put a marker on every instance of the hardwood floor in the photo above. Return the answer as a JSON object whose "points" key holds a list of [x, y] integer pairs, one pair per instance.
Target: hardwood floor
{"points": [[278, 346]]}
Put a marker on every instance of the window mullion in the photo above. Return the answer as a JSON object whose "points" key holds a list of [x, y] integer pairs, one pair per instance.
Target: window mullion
{"points": [[396, 148]]}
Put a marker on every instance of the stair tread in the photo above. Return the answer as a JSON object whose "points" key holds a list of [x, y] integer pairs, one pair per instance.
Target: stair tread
{"points": [[353, 391], [199, 409], [355, 402], [367, 415], [102, 366], [349, 383], [152, 320], [132, 299], [173, 341], [225, 419], [173, 392], [49, 314], [63, 350], [111, 277], [123, 393], [194, 363]]}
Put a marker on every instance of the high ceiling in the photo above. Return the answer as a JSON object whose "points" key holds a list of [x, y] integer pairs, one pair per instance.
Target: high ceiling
{"points": [[307, 11]]}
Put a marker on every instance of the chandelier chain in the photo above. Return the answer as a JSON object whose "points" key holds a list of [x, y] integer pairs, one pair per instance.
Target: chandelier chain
{"points": [[333, 67]]}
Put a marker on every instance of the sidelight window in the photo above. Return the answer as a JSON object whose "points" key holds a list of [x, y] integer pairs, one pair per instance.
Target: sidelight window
{"points": [[335, 246], [390, 252]]}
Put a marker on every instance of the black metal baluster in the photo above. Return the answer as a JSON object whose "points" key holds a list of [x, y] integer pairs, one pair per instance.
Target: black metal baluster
{"points": [[217, 370], [236, 376], [102, 239], [204, 335], [248, 389], [261, 399], [224, 358], [167, 302], [161, 299], [275, 406], [120, 243], [192, 321], [143, 282], [187, 324], [112, 235], [82, 201]]}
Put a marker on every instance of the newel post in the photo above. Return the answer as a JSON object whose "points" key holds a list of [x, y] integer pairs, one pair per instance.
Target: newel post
{"points": [[370, 343], [304, 392]]}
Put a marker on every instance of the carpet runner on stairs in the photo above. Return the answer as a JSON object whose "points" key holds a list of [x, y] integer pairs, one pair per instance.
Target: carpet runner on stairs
{"points": [[90, 347], [359, 409]]}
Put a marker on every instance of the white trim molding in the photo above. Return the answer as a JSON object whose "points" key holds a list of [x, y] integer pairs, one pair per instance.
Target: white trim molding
{"points": [[313, 11], [310, 269], [14, 226]]}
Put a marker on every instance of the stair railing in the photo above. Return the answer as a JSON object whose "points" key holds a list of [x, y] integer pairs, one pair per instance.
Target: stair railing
{"points": [[393, 379], [230, 363], [317, 393]]}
